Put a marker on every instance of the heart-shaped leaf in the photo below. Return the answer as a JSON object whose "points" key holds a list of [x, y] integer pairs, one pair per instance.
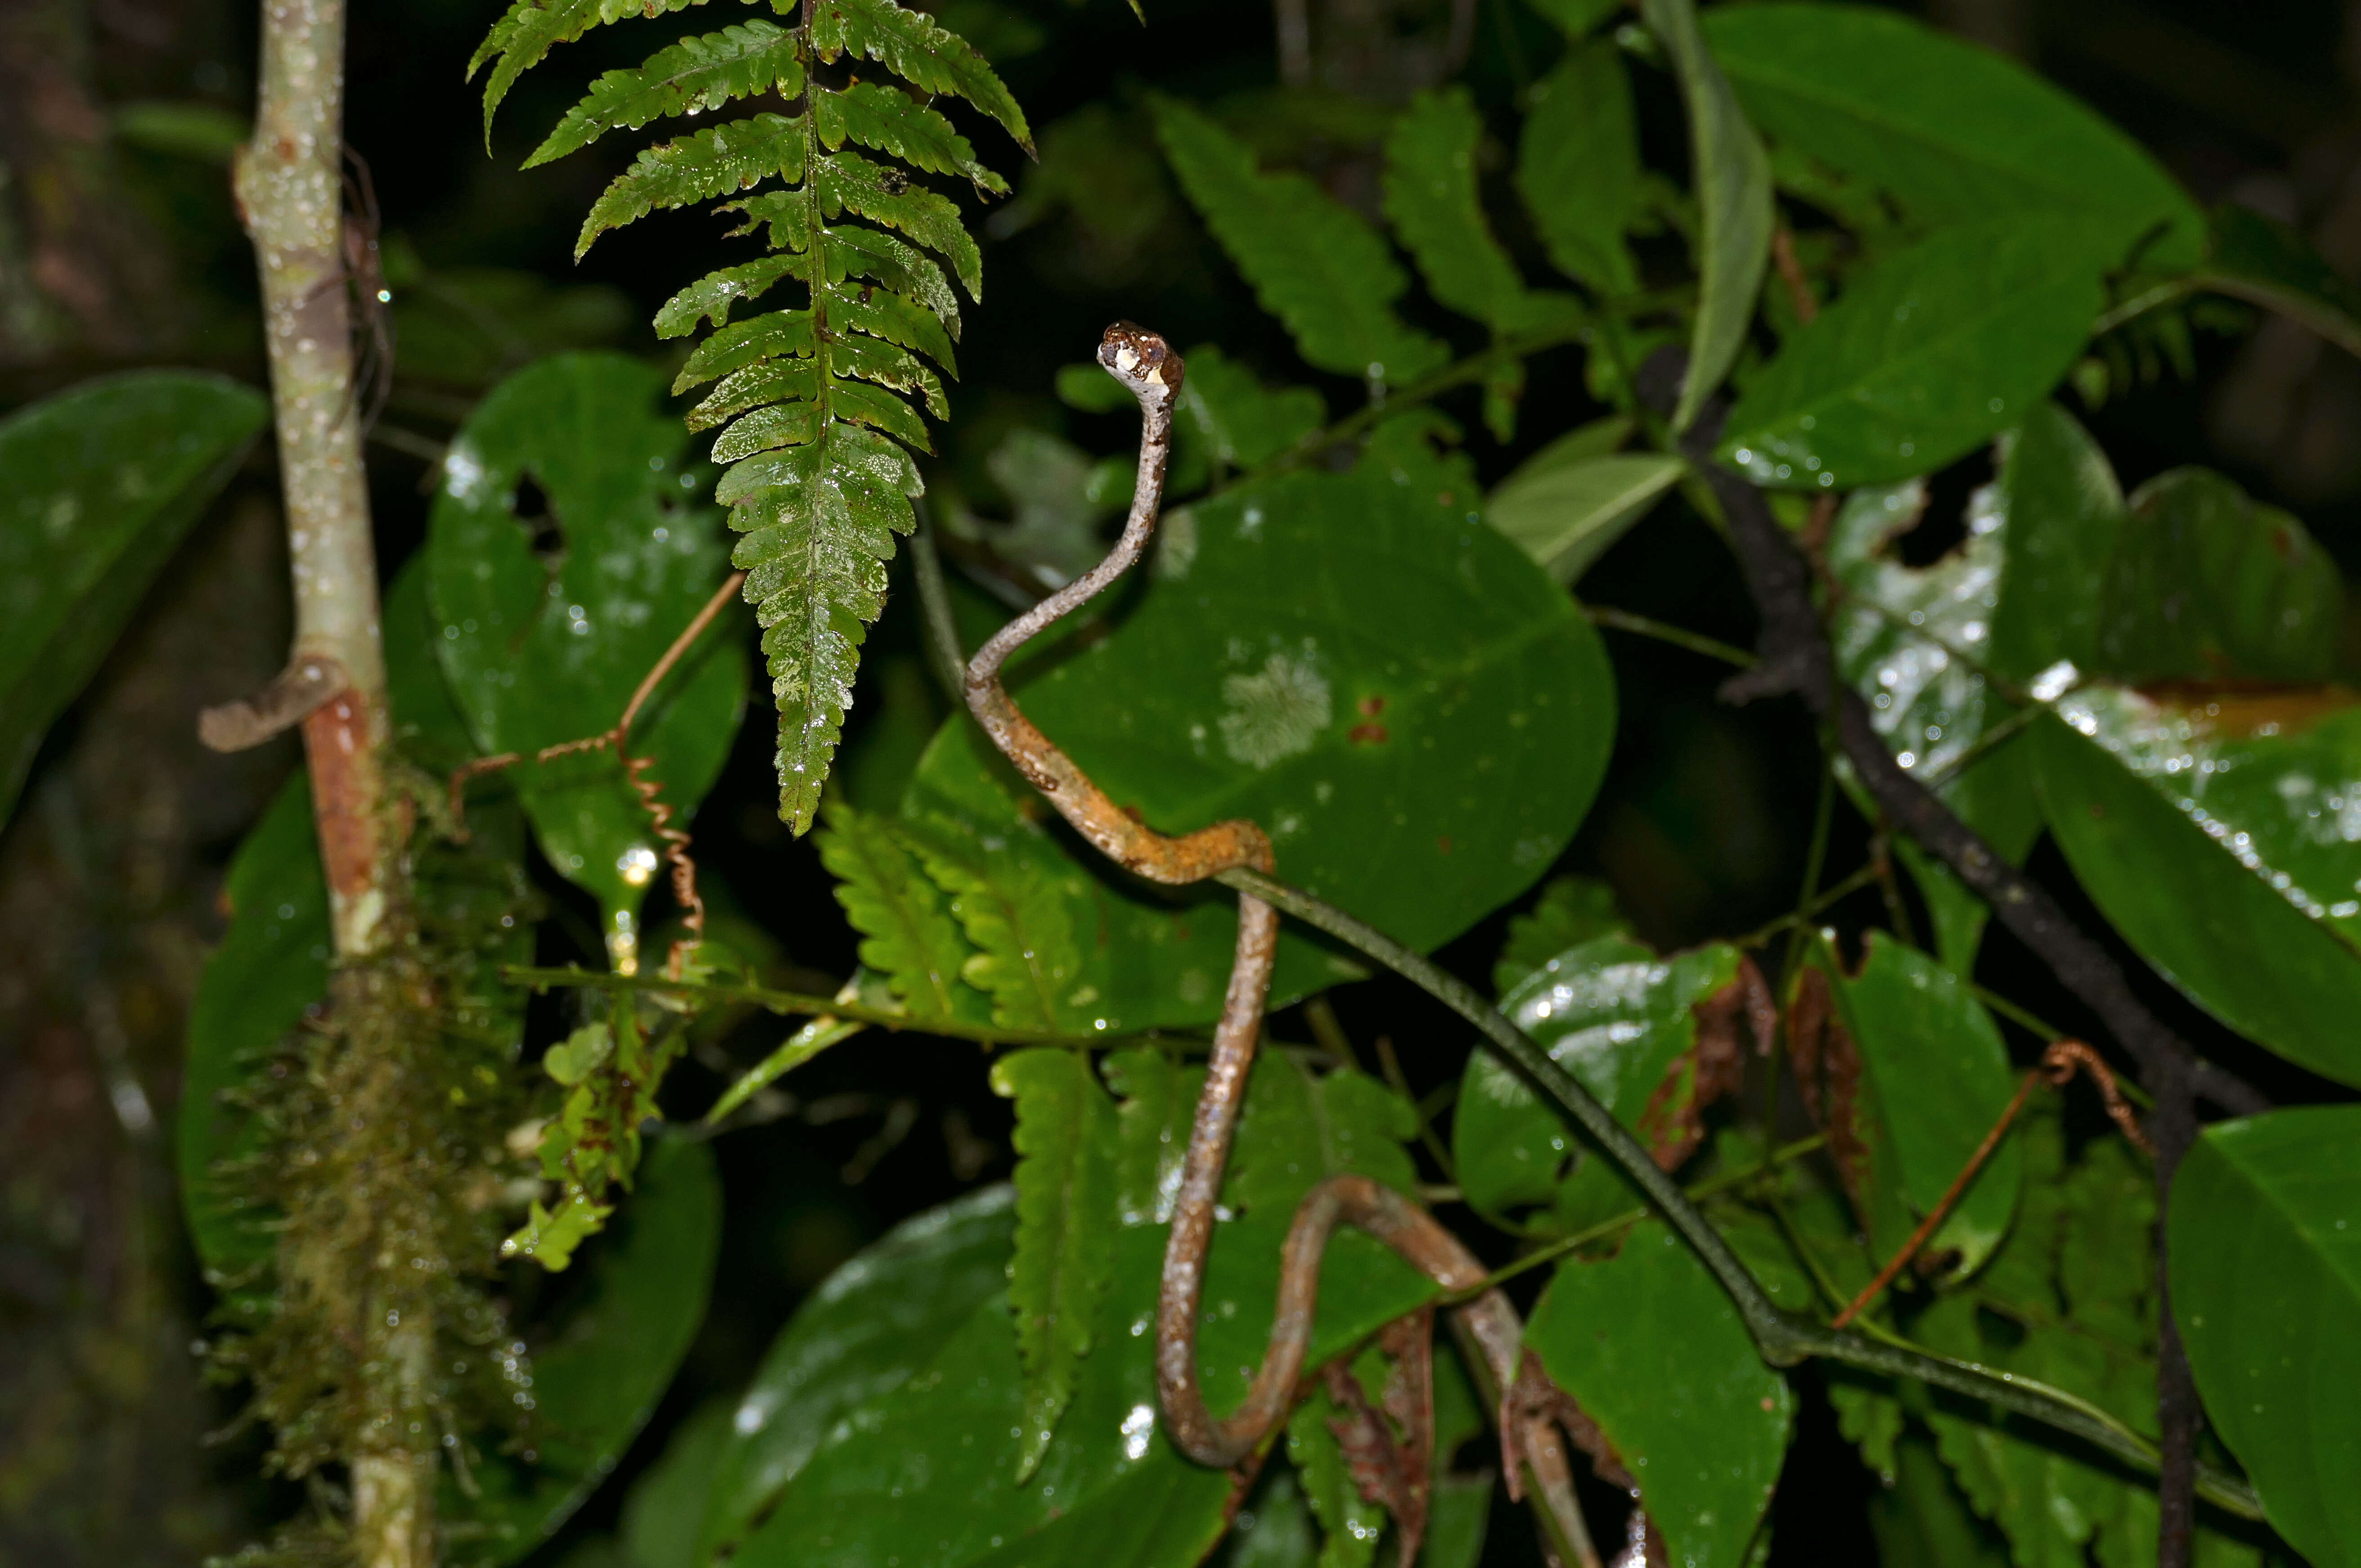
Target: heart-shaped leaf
{"points": [[570, 544]]}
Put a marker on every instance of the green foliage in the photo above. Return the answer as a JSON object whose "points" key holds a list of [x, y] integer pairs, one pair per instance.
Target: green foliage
{"points": [[1312, 263], [1431, 196], [85, 526], [812, 398], [912, 937], [1065, 1207], [1677, 1389], [1578, 166], [1926, 355], [2266, 1285], [549, 622], [1952, 132]]}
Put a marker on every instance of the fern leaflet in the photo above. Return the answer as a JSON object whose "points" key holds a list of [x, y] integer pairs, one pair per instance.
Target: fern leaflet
{"points": [[814, 403], [909, 936], [1430, 185]]}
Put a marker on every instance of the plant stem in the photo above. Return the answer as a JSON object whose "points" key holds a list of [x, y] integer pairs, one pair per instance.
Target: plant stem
{"points": [[1664, 632], [289, 187], [1781, 1340]]}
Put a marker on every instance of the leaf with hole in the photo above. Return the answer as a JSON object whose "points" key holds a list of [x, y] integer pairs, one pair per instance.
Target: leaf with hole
{"points": [[98, 485], [569, 545], [1926, 353], [2265, 1238], [1411, 708]]}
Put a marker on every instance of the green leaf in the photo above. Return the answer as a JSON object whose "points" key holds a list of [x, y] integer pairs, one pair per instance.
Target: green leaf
{"points": [[1616, 1016], [522, 38], [1914, 642], [2206, 583], [611, 1351], [549, 623], [1225, 404], [911, 46], [921, 1472], [1954, 132], [1732, 176], [1349, 1524], [911, 937], [272, 966], [1924, 355], [1019, 921], [878, 1321], [1065, 1214], [1935, 1078], [1650, 1348], [1430, 194], [700, 73], [2266, 263], [1411, 707], [818, 524], [846, 182], [886, 119], [1578, 166], [1572, 910], [2063, 509], [2265, 1239], [98, 485], [1566, 515], [1158, 1097], [1313, 262], [1920, 1517], [1297, 1129], [665, 1505], [712, 162]]}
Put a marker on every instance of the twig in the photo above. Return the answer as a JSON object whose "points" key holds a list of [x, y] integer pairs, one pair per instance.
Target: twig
{"points": [[1796, 659], [1782, 1341], [1791, 273]]}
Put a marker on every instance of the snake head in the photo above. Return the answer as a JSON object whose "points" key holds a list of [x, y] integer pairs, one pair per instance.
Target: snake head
{"points": [[1142, 361]]}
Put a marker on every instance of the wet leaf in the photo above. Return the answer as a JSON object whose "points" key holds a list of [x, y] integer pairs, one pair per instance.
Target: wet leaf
{"points": [[1298, 1129], [1920, 1517], [1066, 1215], [98, 485], [1565, 516], [1572, 910], [2265, 262], [923, 1474], [2060, 509], [1934, 1078], [875, 1323], [2265, 1250], [666, 1504], [1619, 1018], [1412, 710], [910, 934], [609, 1354], [1732, 176], [551, 618], [1578, 166], [1158, 1097], [1654, 1352], [1953, 132], [1349, 1523], [1926, 353], [1241, 422]]}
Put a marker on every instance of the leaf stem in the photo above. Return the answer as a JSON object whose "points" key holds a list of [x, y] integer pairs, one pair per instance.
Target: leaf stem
{"points": [[1664, 632]]}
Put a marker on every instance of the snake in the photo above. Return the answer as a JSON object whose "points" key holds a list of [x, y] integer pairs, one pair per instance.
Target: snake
{"points": [[1532, 1415]]}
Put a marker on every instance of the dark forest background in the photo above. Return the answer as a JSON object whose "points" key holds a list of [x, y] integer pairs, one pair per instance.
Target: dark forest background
{"points": [[119, 246]]}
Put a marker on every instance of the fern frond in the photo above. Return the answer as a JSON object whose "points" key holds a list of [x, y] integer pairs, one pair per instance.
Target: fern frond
{"points": [[888, 121], [848, 183], [522, 38], [819, 522], [928, 57], [1027, 957], [1431, 195], [698, 167], [1313, 263], [713, 296], [908, 934], [818, 405], [693, 75]]}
